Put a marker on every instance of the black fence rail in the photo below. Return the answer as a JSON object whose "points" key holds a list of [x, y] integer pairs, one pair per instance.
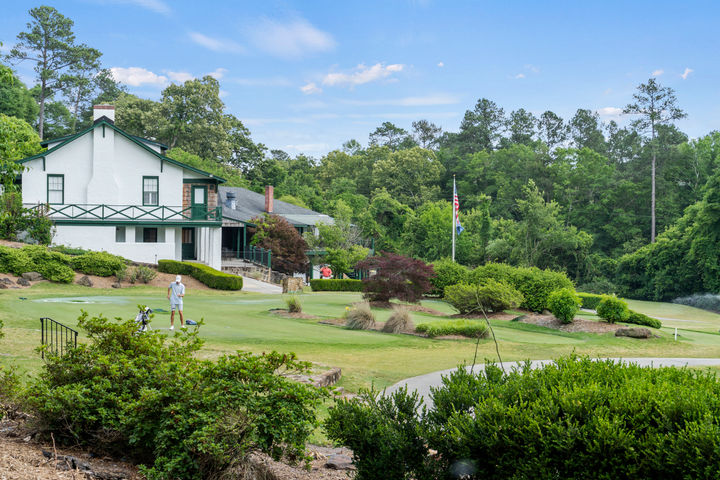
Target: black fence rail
{"points": [[56, 336]]}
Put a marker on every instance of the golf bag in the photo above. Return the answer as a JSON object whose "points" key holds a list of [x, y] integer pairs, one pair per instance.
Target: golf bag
{"points": [[142, 319]]}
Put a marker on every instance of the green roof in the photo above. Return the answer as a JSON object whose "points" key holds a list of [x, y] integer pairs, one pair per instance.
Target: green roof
{"points": [[137, 140]]}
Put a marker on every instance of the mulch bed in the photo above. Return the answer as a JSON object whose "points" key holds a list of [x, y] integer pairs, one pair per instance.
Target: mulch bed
{"points": [[282, 312], [578, 325]]}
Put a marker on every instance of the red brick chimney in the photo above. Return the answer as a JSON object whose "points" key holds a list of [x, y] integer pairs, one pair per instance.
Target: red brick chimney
{"points": [[269, 199]]}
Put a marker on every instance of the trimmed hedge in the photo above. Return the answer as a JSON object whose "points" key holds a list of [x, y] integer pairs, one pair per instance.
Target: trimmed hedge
{"points": [[638, 318], [564, 304], [491, 296], [447, 273], [613, 309], [336, 285], [207, 275], [589, 300], [102, 264], [535, 284], [52, 266], [465, 328]]}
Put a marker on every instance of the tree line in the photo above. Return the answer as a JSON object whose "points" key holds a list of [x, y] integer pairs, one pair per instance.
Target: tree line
{"points": [[572, 194]]}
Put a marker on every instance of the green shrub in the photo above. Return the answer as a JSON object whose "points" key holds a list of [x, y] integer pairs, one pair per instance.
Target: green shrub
{"points": [[360, 317], [132, 275], [491, 296], [122, 273], [10, 388], [573, 419], [383, 432], [102, 264], [16, 261], [54, 266], [465, 328], [149, 399], [564, 304], [145, 274], [535, 284], [336, 285], [600, 286], [589, 300], [73, 251], [447, 273], [56, 272], [293, 304], [612, 309], [400, 321], [203, 273], [637, 318]]}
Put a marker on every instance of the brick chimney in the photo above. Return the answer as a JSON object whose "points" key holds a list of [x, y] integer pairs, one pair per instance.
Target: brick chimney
{"points": [[269, 199], [104, 111]]}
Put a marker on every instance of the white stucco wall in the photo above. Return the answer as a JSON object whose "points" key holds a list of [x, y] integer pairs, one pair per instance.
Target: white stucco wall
{"points": [[114, 178]]}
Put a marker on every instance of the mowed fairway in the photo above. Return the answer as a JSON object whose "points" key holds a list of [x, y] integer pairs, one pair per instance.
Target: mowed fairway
{"points": [[242, 321]]}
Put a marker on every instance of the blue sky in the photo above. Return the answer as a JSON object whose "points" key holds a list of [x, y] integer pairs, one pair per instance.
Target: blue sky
{"points": [[307, 76]]}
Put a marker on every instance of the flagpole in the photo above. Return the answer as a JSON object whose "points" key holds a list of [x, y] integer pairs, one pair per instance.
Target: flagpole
{"points": [[452, 202]]}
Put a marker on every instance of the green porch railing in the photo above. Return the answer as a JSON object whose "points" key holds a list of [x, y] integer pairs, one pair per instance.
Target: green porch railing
{"points": [[144, 213], [258, 256]]}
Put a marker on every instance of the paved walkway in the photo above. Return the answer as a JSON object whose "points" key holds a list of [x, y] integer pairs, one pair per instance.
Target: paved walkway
{"points": [[252, 285], [422, 383]]}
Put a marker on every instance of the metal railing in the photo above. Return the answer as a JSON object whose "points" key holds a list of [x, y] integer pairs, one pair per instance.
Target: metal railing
{"points": [[56, 336], [161, 213], [257, 255]]}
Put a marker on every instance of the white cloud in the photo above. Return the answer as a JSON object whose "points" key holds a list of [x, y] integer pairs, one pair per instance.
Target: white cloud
{"points": [[305, 147], [424, 101], [180, 77], [310, 89], [362, 74], [294, 39], [657, 73], [136, 76], [610, 112], [532, 68], [218, 73], [216, 44], [686, 73], [519, 75], [440, 64], [223, 93]]}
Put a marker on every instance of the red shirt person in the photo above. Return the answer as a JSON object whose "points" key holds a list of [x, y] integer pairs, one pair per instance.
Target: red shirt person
{"points": [[326, 272]]}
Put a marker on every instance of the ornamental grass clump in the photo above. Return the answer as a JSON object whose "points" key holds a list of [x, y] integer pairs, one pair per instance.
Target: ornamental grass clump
{"points": [[293, 304], [400, 321], [360, 317]]}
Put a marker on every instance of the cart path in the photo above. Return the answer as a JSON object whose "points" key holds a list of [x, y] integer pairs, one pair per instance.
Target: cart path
{"points": [[252, 285], [422, 383]]}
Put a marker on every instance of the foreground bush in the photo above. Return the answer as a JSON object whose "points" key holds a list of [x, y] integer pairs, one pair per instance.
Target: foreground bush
{"points": [[536, 285], [464, 328], [573, 419], [491, 296], [589, 300], [564, 304], [336, 285], [637, 318], [447, 273], [147, 398], [612, 309], [205, 274]]}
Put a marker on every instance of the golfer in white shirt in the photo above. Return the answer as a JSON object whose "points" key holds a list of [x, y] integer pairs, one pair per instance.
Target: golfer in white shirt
{"points": [[176, 292]]}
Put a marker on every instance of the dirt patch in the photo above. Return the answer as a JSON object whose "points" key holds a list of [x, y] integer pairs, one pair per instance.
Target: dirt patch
{"points": [[410, 306], [578, 325], [480, 316], [281, 312]]}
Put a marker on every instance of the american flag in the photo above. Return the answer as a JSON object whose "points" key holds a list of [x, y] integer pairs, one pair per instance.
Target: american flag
{"points": [[458, 227]]}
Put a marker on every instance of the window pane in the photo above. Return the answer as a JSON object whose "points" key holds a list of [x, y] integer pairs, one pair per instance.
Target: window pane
{"points": [[199, 195], [120, 234], [55, 196], [150, 235], [150, 191]]}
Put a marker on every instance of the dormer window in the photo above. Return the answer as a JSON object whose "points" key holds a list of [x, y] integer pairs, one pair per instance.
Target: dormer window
{"points": [[151, 194]]}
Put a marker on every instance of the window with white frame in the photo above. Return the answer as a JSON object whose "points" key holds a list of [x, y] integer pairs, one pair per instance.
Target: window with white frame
{"points": [[150, 191], [56, 189]]}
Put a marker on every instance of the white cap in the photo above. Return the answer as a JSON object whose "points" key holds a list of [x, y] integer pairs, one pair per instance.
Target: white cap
{"points": [[177, 279]]}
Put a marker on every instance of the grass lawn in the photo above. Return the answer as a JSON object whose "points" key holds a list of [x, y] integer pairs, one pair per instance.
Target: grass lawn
{"points": [[242, 321]]}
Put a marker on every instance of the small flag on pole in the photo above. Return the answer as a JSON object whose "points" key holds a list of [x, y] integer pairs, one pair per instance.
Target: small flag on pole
{"points": [[459, 228]]}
